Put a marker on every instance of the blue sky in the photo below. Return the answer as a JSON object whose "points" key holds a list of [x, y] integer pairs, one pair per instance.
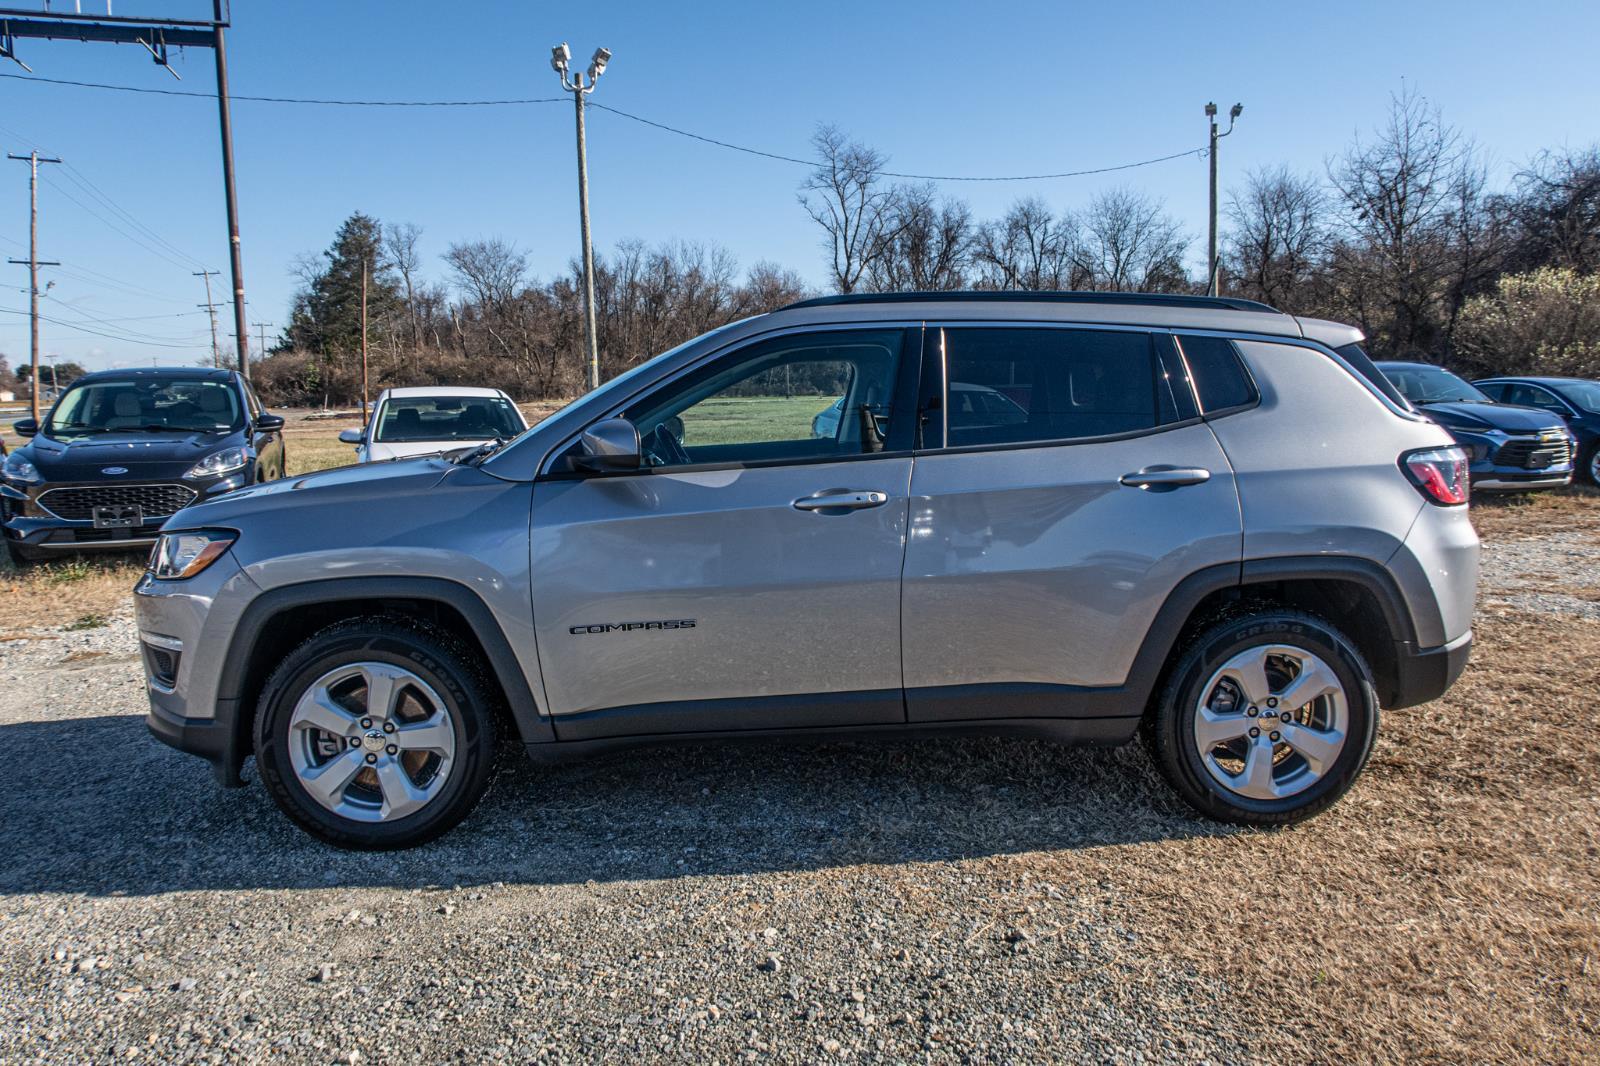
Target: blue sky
{"points": [[939, 87]]}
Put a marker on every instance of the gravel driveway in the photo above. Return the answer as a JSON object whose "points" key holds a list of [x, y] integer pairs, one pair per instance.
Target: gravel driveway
{"points": [[954, 901]]}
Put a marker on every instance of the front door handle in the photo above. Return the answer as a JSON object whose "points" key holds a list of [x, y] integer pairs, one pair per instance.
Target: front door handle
{"points": [[838, 500], [1164, 479]]}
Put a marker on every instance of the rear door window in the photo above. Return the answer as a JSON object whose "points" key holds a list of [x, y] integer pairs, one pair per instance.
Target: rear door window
{"points": [[1019, 386]]}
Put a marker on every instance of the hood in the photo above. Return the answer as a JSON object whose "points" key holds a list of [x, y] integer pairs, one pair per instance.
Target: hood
{"points": [[342, 486], [1506, 417], [144, 456]]}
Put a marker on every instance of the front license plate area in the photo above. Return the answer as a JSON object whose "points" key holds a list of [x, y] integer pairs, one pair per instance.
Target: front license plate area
{"points": [[1540, 459], [118, 518]]}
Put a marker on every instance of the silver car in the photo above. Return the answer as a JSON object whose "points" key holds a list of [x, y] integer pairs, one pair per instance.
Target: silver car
{"points": [[1190, 518]]}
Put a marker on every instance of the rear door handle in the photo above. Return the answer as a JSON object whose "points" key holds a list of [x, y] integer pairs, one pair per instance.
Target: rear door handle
{"points": [[841, 500], [1163, 479]]}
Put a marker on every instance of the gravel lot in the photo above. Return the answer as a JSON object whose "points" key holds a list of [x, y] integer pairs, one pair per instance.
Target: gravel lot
{"points": [[949, 901]]}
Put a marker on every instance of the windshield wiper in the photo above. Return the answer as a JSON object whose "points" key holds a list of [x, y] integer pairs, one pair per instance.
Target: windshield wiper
{"points": [[481, 452], [52, 430]]}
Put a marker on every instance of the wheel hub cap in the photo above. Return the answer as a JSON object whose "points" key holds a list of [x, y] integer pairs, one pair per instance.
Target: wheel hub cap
{"points": [[1271, 722], [371, 742]]}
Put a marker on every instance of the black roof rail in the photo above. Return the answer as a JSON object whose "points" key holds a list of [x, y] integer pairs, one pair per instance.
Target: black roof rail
{"points": [[1221, 303]]}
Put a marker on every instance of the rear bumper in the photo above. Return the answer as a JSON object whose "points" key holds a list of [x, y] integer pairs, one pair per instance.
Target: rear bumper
{"points": [[1427, 673]]}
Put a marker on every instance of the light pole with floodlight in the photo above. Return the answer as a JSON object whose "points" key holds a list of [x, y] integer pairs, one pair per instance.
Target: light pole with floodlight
{"points": [[1211, 243], [560, 57]]}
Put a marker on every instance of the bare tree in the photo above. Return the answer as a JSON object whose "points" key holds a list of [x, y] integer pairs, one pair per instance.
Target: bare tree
{"points": [[1407, 195], [925, 245], [1278, 237], [1556, 209], [400, 242], [1130, 244], [492, 270], [1030, 248], [846, 196]]}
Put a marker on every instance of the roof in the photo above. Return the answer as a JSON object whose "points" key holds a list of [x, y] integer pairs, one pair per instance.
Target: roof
{"points": [[1538, 379], [1221, 303], [1380, 363], [442, 390], [157, 373]]}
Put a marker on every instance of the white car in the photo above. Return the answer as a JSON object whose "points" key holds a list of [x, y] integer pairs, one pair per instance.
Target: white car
{"points": [[428, 419]]}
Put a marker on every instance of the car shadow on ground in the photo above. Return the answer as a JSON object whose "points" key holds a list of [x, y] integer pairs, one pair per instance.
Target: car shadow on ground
{"points": [[97, 806]]}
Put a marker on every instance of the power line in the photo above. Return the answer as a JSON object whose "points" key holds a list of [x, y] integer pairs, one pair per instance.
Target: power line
{"points": [[132, 334], [120, 231], [81, 179], [1197, 152], [97, 333]]}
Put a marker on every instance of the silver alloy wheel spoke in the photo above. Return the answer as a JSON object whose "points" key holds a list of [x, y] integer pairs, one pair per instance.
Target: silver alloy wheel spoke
{"points": [[327, 782], [435, 734], [317, 710], [400, 795], [1318, 747], [384, 684], [1212, 728], [1256, 780], [1285, 756], [409, 761], [1315, 680]]}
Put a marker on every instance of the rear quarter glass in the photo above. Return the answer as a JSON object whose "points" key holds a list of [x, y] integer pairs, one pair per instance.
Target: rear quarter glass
{"points": [[1220, 379]]}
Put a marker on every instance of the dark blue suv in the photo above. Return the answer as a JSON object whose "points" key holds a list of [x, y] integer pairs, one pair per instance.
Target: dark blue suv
{"points": [[123, 450], [1512, 449], [1576, 401]]}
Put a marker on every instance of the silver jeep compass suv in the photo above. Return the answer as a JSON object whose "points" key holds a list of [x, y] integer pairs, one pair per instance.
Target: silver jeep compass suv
{"points": [[1073, 516]]}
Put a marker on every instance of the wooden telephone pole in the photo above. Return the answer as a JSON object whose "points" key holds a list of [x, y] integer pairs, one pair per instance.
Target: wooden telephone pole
{"points": [[33, 159], [363, 341]]}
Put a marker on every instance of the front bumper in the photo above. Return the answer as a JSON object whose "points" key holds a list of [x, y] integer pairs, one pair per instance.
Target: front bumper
{"points": [[1518, 462], [1506, 481], [185, 628]]}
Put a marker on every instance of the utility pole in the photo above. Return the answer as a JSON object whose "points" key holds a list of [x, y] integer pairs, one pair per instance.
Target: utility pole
{"points": [[1211, 239], [261, 329], [33, 160], [560, 57], [363, 342], [157, 36], [211, 309]]}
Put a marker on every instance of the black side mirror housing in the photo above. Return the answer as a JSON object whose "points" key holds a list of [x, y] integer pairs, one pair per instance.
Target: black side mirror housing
{"points": [[25, 427], [269, 422]]}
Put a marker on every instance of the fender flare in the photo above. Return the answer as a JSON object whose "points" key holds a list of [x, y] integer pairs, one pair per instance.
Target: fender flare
{"points": [[531, 722]]}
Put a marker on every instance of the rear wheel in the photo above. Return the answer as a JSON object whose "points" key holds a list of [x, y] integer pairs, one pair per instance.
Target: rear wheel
{"points": [[1589, 463], [376, 734], [1267, 720]]}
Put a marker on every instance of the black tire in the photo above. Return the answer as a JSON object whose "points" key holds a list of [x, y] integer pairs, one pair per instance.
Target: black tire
{"points": [[21, 558], [448, 666], [1586, 471], [1170, 732]]}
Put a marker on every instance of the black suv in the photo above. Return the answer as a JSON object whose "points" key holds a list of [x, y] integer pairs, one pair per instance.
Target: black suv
{"points": [[123, 450]]}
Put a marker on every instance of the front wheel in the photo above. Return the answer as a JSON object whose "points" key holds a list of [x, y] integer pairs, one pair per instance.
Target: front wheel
{"points": [[1266, 720], [376, 734], [20, 557]]}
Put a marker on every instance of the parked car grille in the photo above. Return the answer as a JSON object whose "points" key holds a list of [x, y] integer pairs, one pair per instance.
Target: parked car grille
{"points": [[153, 501], [1550, 448]]}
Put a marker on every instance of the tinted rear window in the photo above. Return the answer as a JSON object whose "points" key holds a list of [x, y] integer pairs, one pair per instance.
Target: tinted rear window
{"points": [[1009, 386], [1220, 379]]}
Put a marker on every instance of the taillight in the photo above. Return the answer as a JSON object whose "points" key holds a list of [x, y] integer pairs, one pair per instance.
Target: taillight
{"points": [[1440, 474]]}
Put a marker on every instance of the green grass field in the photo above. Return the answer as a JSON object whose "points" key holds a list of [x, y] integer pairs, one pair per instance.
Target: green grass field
{"points": [[741, 419]]}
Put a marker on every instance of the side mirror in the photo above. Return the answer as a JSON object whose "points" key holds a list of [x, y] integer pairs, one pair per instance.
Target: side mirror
{"points": [[25, 427], [269, 422], [348, 436], [609, 445]]}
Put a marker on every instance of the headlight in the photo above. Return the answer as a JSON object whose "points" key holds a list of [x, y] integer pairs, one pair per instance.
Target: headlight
{"points": [[19, 469], [181, 555], [219, 463]]}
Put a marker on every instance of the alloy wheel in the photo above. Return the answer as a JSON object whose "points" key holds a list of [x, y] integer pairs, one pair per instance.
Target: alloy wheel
{"points": [[371, 742], [1271, 722]]}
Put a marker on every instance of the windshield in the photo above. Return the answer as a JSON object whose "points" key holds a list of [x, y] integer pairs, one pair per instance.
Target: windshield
{"points": [[428, 418], [1585, 394], [1431, 384], [151, 405]]}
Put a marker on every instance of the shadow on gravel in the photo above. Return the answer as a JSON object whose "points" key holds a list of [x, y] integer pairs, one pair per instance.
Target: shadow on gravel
{"points": [[96, 806]]}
